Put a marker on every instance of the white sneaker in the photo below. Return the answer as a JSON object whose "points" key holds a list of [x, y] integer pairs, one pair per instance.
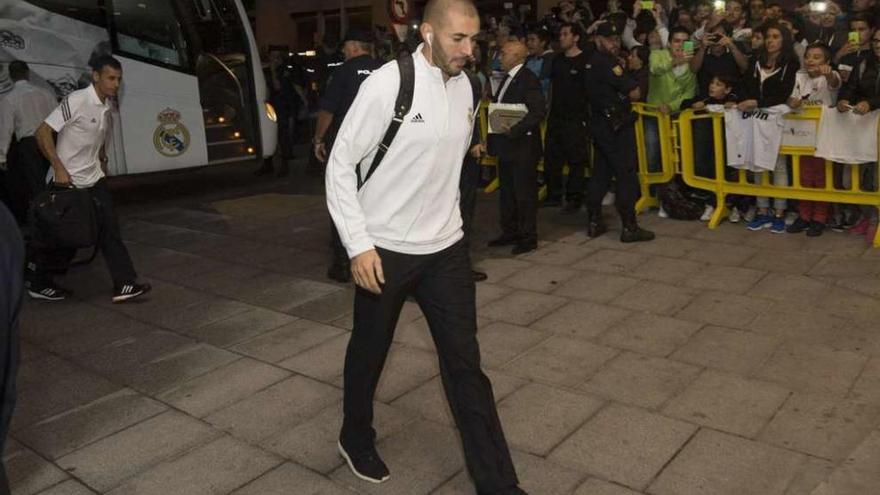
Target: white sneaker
{"points": [[750, 214], [735, 216], [791, 217], [707, 213], [609, 199], [662, 213]]}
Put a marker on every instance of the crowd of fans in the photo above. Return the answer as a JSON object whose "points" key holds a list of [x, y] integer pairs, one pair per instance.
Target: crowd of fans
{"points": [[746, 55]]}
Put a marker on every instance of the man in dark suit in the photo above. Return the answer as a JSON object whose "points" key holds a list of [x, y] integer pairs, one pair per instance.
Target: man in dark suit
{"points": [[519, 149]]}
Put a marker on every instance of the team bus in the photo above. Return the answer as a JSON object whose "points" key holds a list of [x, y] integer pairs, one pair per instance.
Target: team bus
{"points": [[193, 90]]}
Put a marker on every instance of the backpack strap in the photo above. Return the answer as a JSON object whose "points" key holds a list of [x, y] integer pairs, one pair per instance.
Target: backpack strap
{"points": [[401, 108]]}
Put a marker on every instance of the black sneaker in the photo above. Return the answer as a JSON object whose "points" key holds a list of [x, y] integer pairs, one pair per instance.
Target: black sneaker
{"points": [[130, 291], [815, 229], [366, 465], [798, 226], [47, 292]]}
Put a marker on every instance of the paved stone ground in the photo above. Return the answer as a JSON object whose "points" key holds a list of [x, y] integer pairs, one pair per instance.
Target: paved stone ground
{"points": [[707, 362]]}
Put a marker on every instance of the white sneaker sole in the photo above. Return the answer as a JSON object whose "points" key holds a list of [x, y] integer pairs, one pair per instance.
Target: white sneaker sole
{"points": [[126, 297], [354, 471], [43, 297]]}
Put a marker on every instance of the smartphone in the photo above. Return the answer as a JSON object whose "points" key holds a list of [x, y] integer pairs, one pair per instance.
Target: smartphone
{"points": [[818, 6], [853, 37], [720, 5], [688, 46], [647, 5], [713, 38]]}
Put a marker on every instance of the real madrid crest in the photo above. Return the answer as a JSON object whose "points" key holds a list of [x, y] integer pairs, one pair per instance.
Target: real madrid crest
{"points": [[171, 137]]}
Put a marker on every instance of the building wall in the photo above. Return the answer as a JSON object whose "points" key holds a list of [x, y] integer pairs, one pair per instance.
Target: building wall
{"points": [[275, 27]]}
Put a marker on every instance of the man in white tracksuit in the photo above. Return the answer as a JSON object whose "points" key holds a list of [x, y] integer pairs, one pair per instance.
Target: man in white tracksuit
{"points": [[402, 231]]}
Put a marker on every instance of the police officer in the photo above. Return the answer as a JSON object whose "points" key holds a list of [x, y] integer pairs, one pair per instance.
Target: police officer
{"points": [[567, 138], [612, 126], [341, 89]]}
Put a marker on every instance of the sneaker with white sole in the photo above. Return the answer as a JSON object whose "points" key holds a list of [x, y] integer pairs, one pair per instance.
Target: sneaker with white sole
{"points": [[609, 199], [130, 291], [366, 465], [735, 216], [707, 213], [47, 292], [662, 213], [750, 214], [761, 222]]}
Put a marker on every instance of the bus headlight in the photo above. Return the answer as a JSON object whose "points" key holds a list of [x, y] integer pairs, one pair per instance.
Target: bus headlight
{"points": [[270, 112]]}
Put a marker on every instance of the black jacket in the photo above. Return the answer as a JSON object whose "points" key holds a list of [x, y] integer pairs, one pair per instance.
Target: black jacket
{"points": [[11, 283], [775, 90], [863, 84], [524, 139]]}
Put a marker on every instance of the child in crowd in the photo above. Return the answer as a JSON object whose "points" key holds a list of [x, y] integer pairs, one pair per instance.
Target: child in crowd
{"points": [[815, 85], [721, 93]]}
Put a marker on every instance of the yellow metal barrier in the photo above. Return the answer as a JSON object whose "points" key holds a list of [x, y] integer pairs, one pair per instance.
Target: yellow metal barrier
{"points": [[722, 187], [668, 157]]}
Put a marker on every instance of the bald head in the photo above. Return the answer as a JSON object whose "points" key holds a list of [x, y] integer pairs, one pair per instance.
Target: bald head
{"points": [[437, 11], [513, 53]]}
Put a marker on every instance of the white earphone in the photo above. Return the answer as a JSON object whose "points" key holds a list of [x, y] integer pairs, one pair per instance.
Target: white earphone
{"points": [[430, 39]]}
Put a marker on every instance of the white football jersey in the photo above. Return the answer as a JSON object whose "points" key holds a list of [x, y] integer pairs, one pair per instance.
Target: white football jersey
{"points": [[753, 137], [846, 137]]}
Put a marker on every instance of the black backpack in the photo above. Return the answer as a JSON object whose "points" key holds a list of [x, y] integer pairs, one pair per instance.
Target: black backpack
{"points": [[401, 108]]}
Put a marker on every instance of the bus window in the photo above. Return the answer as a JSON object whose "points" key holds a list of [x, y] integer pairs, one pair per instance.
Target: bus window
{"points": [[82, 10], [150, 31]]}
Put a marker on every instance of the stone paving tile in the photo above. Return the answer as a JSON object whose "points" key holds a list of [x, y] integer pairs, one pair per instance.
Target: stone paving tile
{"points": [[327, 308], [650, 334], [596, 287], [666, 270], [653, 297], [724, 278], [488, 292], [839, 266], [429, 399], [867, 386], [97, 334], [595, 486], [198, 314], [858, 474], [286, 341], [610, 261], [39, 322], [801, 326], [724, 254], [580, 320], [539, 278], [405, 369], [275, 408], [724, 309], [522, 307], [240, 327], [498, 268], [722, 464], [323, 362], [727, 349], [668, 246], [775, 260], [223, 386], [420, 460], [623, 444], [537, 417], [51, 386], [217, 467], [28, 473], [280, 480], [73, 429], [561, 361], [812, 369], [821, 426], [728, 403], [313, 443], [501, 342], [68, 487], [110, 461], [559, 253], [811, 473], [790, 288], [535, 474], [641, 380]]}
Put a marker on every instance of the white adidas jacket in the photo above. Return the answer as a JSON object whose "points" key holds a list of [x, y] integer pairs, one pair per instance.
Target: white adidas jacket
{"points": [[410, 203]]}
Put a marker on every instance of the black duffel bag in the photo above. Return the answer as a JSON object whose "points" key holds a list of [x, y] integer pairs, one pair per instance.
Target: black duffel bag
{"points": [[65, 217]]}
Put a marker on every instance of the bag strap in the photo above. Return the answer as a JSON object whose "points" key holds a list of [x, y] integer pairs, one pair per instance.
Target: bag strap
{"points": [[401, 108]]}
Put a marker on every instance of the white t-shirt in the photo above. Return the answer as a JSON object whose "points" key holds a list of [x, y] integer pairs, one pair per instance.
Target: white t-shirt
{"points": [[814, 91], [753, 137], [846, 137], [81, 121]]}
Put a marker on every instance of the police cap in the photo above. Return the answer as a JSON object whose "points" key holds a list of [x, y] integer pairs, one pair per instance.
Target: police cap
{"points": [[607, 29]]}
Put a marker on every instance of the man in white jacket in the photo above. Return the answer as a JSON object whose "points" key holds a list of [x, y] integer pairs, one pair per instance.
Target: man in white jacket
{"points": [[402, 231]]}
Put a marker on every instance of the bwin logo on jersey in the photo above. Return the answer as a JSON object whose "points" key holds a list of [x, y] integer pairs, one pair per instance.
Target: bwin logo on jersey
{"points": [[757, 114]]}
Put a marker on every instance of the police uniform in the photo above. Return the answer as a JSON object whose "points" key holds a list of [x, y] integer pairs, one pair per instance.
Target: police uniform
{"points": [[567, 136], [341, 90], [612, 126]]}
